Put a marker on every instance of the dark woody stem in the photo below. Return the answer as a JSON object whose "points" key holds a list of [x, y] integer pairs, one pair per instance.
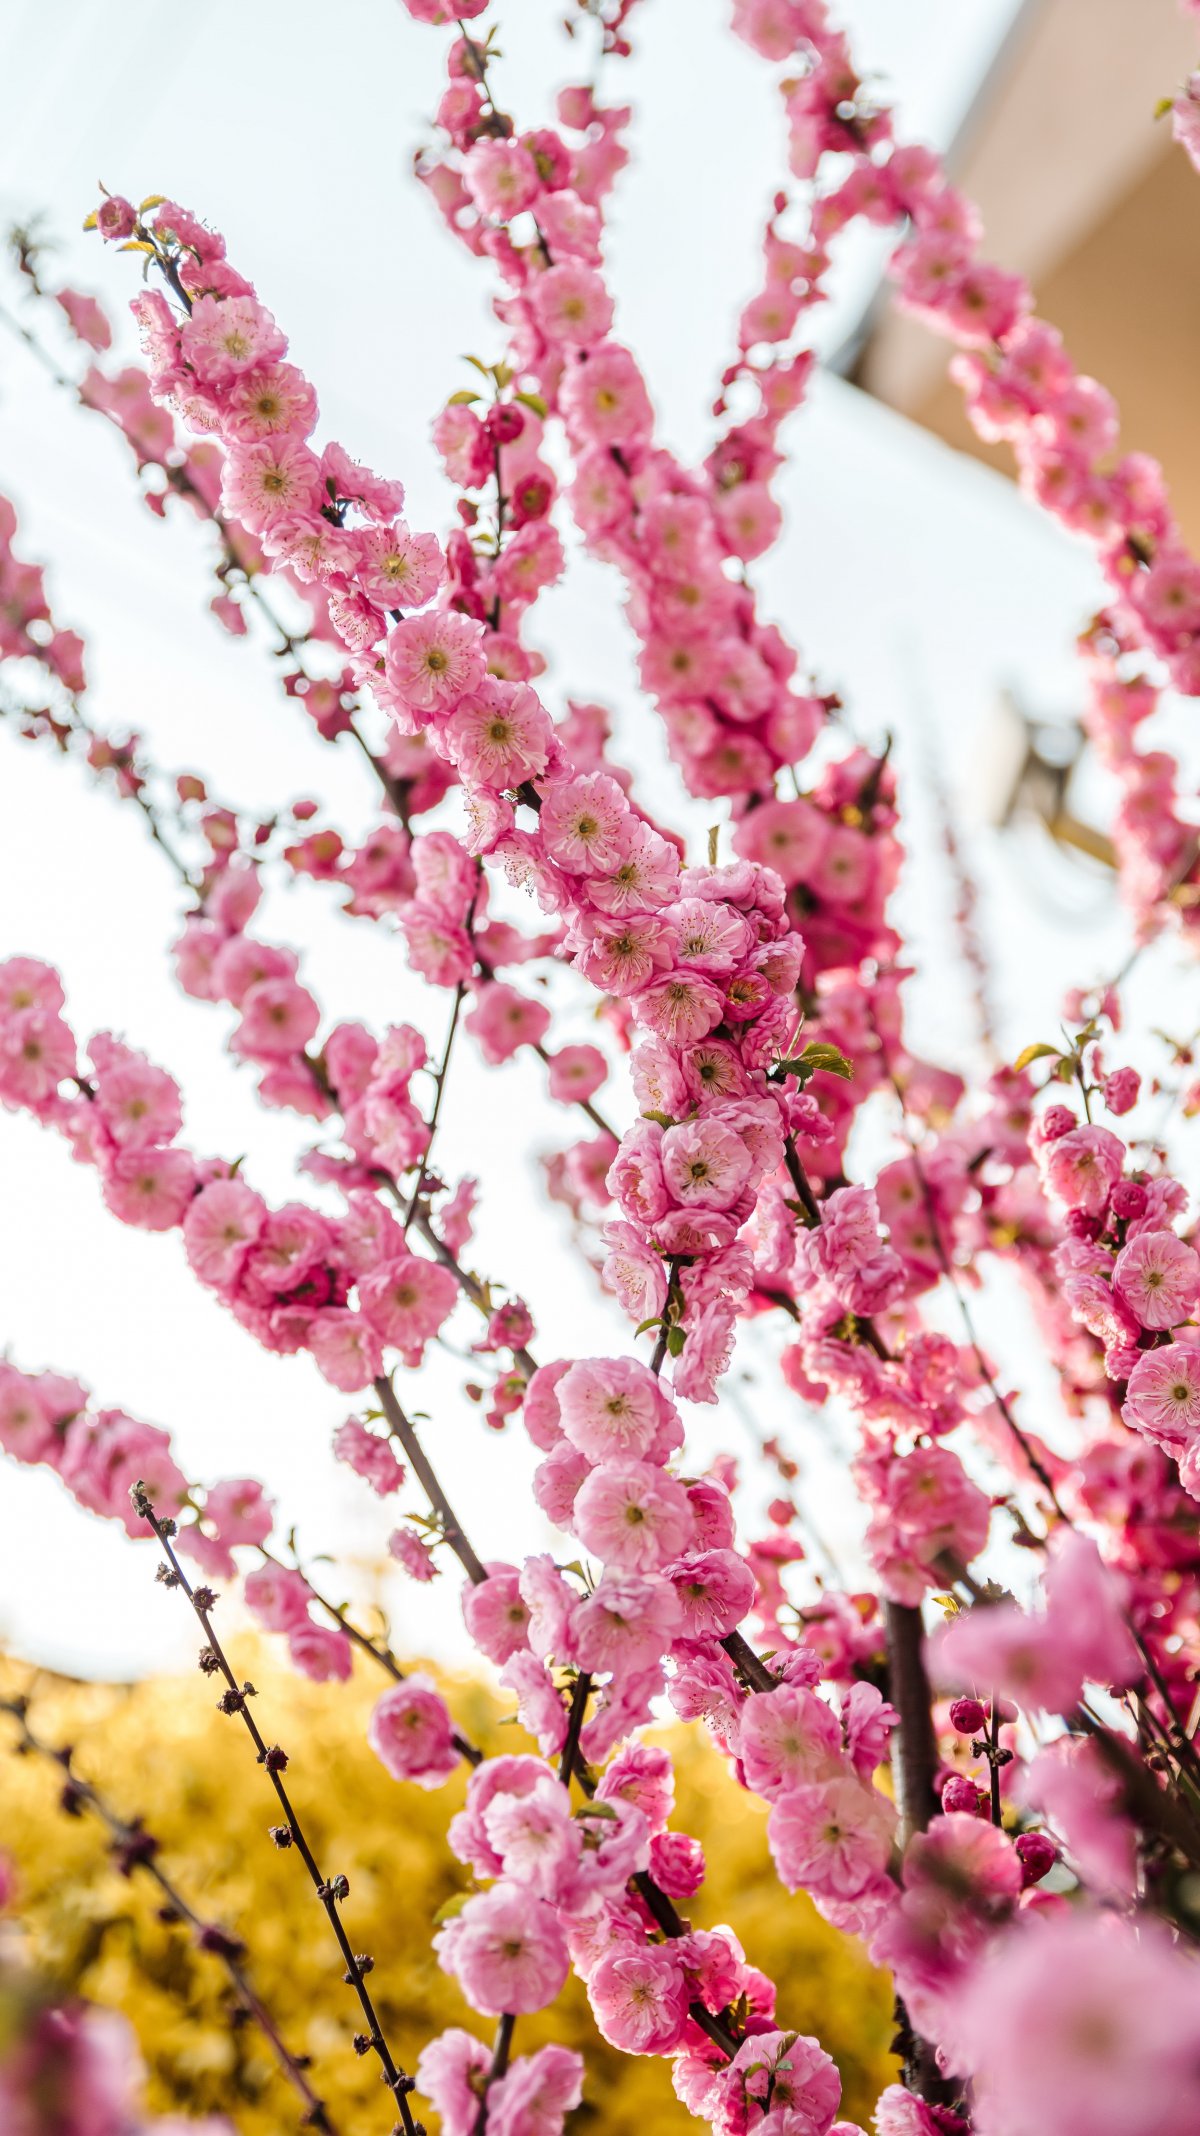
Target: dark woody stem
{"points": [[134, 1848], [402, 1431], [330, 1891]]}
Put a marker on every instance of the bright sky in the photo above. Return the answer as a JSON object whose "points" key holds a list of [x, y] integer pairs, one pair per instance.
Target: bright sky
{"points": [[918, 585]]}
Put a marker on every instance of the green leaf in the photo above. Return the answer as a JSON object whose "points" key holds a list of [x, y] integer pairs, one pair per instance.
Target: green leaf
{"points": [[1034, 1053], [152, 200], [451, 1907], [463, 398], [675, 1341], [830, 1059], [663, 1119], [653, 1322], [604, 1810], [476, 364], [533, 401]]}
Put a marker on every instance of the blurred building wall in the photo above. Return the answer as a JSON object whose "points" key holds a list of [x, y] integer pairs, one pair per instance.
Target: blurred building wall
{"points": [[1081, 190]]}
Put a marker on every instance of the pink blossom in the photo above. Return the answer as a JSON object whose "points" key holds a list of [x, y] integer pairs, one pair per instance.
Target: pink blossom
{"points": [[451, 2069], [321, 1652], [535, 2094], [225, 336], [625, 1623], [507, 1950], [571, 305], [1163, 1394], [410, 1732], [677, 1864], [789, 1738], [1158, 1277], [347, 1349], [239, 1510], [639, 1999], [407, 1299], [614, 1406], [575, 1073], [642, 1775], [631, 1514], [1086, 2023], [1082, 1167], [715, 1591], [151, 1189], [276, 479], [705, 1164], [434, 660], [581, 822], [502, 178], [504, 1020], [832, 1839], [369, 1456], [783, 2082], [219, 1229]]}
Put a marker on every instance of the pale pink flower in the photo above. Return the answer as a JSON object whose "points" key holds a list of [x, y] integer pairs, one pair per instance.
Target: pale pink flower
{"points": [[581, 822], [239, 1510], [642, 1775], [497, 1614], [1158, 1277], [681, 1008], [604, 400], [1084, 2023], [1082, 1167], [263, 403], [705, 1164], [634, 1273], [500, 737], [783, 2083], [575, 1073], [502, 178], [413, 1556], [627, 1621], [1163, 1394], [278, 1596], [369, 1456], [407, 1299], [615, 1406], [278, 1018], [321, 1652], [571, 304], [789, 1738], [221, 1225], [225, 336], [832, 1839], [557, 1482], [434, 660], [450, 2072], [507, 1950], [37, 1053], [503, 1020], [639, 1998], [632, 1515], [715, 1591], [347, 1349], [150, 1189], [635, 1177], [394, 568], [277, 479], [411, 1733], [533, 2097]]}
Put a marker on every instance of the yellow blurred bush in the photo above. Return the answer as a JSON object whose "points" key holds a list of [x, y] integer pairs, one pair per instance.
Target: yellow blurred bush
{"points": [[161, 1749]]}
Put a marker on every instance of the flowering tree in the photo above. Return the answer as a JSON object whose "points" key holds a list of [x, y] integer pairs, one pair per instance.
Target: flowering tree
{"points": [[1005, 1809]]}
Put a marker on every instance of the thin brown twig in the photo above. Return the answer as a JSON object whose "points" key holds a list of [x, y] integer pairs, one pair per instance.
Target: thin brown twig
{"points": [[330, 1891]]}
